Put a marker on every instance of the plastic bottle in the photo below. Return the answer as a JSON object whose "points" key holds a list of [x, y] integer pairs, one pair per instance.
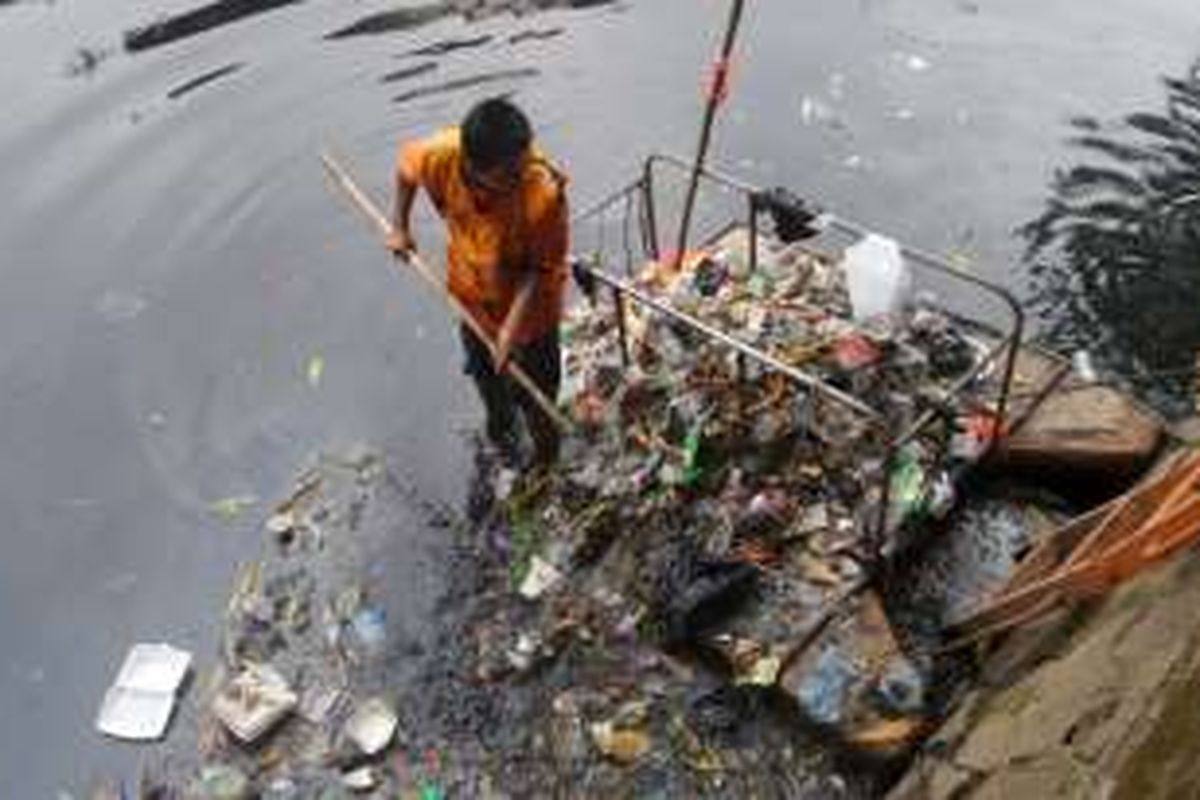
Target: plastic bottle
{"points": [[879, 280]]}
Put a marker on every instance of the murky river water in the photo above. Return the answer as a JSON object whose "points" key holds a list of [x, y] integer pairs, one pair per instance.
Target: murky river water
{"points": [[173, 269]]}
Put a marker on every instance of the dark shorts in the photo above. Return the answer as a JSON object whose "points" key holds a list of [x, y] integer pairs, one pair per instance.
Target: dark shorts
{"points": [[541, 358], [502, 396]]}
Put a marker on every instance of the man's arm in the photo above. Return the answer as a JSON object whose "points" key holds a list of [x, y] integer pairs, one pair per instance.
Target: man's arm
{"points": [[400, 241], [408, 176]]}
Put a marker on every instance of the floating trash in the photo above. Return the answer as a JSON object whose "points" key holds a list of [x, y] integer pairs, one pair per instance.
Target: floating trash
{"points": [[254, 702], [372, 727], [139, 703], [314, 370], [229, 509]]}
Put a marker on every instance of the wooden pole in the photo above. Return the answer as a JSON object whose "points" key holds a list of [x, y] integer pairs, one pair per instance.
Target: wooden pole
{"points": [[716, 96], [363, 203]]}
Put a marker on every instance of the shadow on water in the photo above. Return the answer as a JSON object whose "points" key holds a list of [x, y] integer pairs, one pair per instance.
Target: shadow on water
{"points": [[408, 18], [196, 21], [471, 82], [409, 72], [1115, 257], [451, 45], [202, 80], [536, 35], [401, 19]]}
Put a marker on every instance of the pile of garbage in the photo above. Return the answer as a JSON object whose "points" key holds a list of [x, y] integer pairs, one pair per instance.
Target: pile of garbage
{"points": [[718, 509], [683, 606]]}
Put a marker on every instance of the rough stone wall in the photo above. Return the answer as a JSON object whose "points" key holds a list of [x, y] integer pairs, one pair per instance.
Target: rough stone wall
{"points": [[1111, 714]]}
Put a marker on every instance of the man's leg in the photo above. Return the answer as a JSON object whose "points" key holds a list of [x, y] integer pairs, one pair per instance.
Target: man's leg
{"points": [[542, 360], [493, 391]]}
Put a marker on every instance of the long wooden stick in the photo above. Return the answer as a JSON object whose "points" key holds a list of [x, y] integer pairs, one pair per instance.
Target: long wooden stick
{"points": [[369, 210]]}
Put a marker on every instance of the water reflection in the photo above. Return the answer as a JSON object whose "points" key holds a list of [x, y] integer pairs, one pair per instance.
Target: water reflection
{"points": [[202, 80], [409, 72], [1115, 257], [400, 19], [198, 20], [459, 84], [450, 45], [408, 18], [535, 35]]}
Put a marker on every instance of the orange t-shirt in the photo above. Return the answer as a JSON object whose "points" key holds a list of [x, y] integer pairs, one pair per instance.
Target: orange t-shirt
{"points": [[497, 239]]}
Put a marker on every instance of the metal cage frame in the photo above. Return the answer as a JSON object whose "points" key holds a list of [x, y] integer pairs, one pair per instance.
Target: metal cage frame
{"points": [[642, 192]]}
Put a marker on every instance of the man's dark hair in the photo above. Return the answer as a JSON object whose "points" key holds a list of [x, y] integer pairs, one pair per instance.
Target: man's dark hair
{"points": [[495, 133]]}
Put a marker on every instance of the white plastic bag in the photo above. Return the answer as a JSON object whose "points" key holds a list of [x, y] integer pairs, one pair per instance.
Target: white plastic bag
{"points": [[879, 280]]}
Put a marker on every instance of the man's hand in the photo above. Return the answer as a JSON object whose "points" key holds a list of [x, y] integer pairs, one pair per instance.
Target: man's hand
{"points": [[401, 243]]}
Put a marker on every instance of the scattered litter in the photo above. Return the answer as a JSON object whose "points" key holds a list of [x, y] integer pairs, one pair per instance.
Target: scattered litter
{"points": [[253, 702], [539, 579], [228, 509], [370, 629], [1085, 368], [363, 779], [314, 370], [431, 791], [855, 352], [813, 111], [318, 703], [139, 703], [284, 526], [889, 733], [282, 789], [506, 481], [822, 691], [281, 523], [372, 726], [624, 740], [221, 782]]}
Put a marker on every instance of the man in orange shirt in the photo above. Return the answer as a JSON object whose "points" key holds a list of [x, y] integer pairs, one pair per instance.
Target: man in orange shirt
{"points": [[505, 209]]}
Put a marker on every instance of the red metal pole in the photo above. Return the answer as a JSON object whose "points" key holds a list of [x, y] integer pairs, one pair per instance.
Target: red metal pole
{"points": [[720, 85]]}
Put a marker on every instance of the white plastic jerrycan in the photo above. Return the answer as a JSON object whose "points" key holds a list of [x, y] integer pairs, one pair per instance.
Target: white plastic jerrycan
{"points": [[879, 280]]}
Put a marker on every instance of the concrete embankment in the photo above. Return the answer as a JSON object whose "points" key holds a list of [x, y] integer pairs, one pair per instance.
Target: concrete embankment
{"points": [[1099, 703]]}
